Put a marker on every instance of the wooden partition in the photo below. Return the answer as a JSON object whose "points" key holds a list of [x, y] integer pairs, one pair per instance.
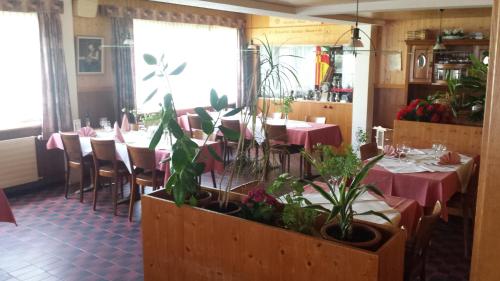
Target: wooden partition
{"points": [[335, 112], [463, 139], [192, 244]]}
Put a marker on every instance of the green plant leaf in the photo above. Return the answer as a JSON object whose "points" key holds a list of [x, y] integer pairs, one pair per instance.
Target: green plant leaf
{"points": [[214, 99], [222, 103], [361, 175], [175, 129], [150, 96], [198, 168], [147, 77], [373, 189], [214, 153], [378, 214], [150, 59], [156, 137], [179, 194], [179, 69], [207, 126], [233, 112], [323, 193], [229, 134], [203, 114], [179, 159]]}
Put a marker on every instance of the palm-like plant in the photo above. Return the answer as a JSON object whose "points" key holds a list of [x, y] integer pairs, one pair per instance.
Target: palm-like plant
{"points": [[344, 187]]}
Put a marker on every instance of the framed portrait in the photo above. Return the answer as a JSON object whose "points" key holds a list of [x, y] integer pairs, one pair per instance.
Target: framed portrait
{"points": [[89, 52]]}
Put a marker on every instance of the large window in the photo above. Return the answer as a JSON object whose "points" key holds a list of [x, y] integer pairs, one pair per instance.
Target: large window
{"points": [[211, 54], [20, 71], [301, 60]]}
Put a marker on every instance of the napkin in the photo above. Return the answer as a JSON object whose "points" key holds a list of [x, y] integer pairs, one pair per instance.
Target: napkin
{"points": [[118, 134], [87, 132], [125, 124], [389, 150], [449, 158]]}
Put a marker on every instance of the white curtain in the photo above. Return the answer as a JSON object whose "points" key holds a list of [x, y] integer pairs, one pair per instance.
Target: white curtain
{"points": [[20, 71], [211, 54]]}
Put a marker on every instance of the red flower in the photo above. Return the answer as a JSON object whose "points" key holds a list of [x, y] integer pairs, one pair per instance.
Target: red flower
{"points": [[420, 111], [441, 108], [401, 114], [435, 118], [430, 108], [414, 103], [260, 196]]}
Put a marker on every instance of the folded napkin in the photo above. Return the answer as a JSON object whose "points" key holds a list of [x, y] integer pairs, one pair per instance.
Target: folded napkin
{"points": [[125, 123], [118, 133], [389, 150], [449, 158], [87, 132]]}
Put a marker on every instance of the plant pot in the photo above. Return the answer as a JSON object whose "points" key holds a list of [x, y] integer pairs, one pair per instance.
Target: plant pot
{"points": [[363, 236], [203, 197], [232, 208]]}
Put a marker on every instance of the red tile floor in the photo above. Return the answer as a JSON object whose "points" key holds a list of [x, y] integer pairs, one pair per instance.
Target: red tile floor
{"points": [[59, 239]]}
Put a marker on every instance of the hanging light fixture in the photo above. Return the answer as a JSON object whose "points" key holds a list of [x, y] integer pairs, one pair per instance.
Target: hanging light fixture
{"points": [[439, 46], [356, 32]]}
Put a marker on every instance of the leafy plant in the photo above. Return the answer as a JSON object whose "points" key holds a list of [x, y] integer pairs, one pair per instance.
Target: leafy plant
{"points": [[295, 216], [286, 105], [343, 193], [334, 165], [259, 206], [425, 111], [186, 168]]}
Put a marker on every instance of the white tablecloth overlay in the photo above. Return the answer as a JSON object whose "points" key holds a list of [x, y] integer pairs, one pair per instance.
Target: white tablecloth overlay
{"points": [[423, 160]]}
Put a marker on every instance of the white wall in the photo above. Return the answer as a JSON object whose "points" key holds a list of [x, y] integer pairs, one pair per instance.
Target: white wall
{"points": [[362, 108], [69, 54]]}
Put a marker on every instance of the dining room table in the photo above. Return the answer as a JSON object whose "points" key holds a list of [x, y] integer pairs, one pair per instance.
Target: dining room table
{"points": [[420, 176]]}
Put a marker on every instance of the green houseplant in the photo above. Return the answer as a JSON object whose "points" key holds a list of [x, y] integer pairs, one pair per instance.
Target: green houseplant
{"points": [[343, 174]]}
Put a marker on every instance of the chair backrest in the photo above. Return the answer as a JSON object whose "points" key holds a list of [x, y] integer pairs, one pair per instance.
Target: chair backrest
{"points": [[277, 115], [424, 230], [317, 119], [471, 193], [233, 125], [142, 157], [104, 151], [72, 148], [276, 132], [368, 150], [194, 121]]}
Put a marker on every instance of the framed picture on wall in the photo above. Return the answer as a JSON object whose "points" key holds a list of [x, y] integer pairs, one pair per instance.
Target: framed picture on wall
{"points": [[89, 53]]}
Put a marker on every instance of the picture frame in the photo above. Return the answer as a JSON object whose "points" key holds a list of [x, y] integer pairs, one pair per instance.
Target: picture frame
{"points": [[89, 55]]}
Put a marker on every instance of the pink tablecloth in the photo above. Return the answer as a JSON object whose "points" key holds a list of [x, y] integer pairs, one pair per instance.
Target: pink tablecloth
{"points": [[6, 214], [211, 164], [327, 134], [425, 188]]}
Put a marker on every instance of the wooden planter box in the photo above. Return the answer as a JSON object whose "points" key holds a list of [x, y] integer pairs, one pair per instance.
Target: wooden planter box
{"points": [[191, 244], [460, 138]]}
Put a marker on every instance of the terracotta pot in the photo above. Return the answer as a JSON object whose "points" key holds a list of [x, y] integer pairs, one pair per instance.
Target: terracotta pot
{"points": [[364, 236], [233, 207]]}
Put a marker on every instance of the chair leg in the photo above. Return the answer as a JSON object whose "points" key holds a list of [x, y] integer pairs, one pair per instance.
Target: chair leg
{"points": [[422, 273], [465, 217], [114, 196], [82, 180], [214, 182], [288, 163], [67, 183], [96, 185], [133, 191], [301, 168]]}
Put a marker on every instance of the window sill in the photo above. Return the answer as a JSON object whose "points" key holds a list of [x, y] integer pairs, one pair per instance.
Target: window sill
{"points": [[20, 132]]}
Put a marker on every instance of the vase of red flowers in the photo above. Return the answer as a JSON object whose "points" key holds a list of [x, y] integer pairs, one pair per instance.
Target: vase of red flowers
{"points": [[425, 111]]}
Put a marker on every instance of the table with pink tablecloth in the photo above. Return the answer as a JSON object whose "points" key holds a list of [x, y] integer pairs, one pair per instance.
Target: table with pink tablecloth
{"points": [[426, 188], [327, 134], [6, 214]]}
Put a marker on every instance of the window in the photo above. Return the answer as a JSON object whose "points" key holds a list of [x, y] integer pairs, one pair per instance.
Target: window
{"points": [[20, 71], [211, 54]]}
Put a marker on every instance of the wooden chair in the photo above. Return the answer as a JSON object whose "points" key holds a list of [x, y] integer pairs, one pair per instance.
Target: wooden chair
{"points": [[317, 119], [466, 203], [247, 187], [75, 161], [144, 173], [416, 247], [278, 138], [368, 150], [107, 166], [277, 115], [194, 122]]}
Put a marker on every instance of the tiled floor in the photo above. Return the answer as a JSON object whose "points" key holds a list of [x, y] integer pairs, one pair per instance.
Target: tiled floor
{"points": [[60, 239]]}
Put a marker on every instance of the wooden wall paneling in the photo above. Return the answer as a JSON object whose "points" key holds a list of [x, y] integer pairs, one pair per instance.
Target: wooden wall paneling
{"points": [[459, 138], [97, 105], [486, 246], [387, 103], [194, 244]]}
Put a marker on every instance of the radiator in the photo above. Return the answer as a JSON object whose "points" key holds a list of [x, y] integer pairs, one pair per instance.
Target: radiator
{"points": [[18, 163]]}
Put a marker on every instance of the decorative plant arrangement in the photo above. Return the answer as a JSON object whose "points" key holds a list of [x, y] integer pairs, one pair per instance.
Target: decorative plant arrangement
{"points": [[286, 106], [425, 111], [455, 33]]}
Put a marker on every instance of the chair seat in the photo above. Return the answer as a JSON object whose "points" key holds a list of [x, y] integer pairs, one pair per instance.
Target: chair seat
{"points": [[107, 170], [87, 160], [146, 178]]}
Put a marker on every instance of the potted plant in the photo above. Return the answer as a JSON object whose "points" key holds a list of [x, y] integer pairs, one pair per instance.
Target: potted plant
{"points": [[343, 174], [425, 111]]}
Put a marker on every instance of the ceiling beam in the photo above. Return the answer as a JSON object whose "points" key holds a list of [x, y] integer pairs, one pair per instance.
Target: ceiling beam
{"points": [[263, 9], [352, 18], [392, 5]]}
